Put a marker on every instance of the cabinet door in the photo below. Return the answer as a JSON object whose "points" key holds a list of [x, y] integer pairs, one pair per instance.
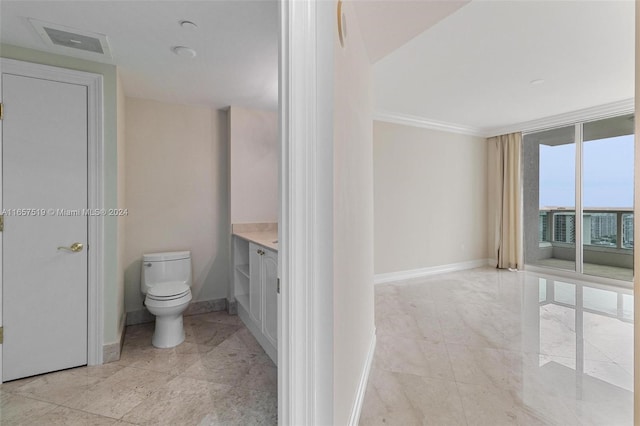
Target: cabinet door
{"points": [[255, 283], [270, 265]]}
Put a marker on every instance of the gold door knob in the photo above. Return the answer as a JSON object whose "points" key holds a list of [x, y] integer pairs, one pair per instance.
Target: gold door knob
{"points": [[75, 247]]}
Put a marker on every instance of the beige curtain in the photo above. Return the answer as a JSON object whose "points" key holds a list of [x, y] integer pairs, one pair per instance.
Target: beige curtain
{"points": [[508, 195]]}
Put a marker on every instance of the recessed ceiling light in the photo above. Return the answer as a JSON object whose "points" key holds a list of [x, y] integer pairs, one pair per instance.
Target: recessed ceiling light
{"points": [[537, 81], [184, 51], [188, 25]]}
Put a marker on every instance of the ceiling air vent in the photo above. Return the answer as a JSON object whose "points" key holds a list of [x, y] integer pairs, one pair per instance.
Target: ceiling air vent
{"points": [[75, 41], [71, 41]]}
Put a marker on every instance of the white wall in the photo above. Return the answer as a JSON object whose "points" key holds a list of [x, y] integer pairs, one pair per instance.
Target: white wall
{"points": [[430, 197], [177, 192], [254, 165], [353, 218], [122, 202], [636, 253]]}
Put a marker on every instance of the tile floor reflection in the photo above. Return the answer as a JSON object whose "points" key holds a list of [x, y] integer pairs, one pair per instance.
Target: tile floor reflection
{"points": [[489, 347], [615, 272], [219, 376]]}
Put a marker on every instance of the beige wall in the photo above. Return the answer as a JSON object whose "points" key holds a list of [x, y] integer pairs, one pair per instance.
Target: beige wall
{"points": [[121, 126], [353, 218], [108, 72], [430, 197], [254, 165], [176, 192]]}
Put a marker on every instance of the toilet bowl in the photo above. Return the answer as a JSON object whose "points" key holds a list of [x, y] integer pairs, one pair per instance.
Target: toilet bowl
{"points": [[166, 282]]}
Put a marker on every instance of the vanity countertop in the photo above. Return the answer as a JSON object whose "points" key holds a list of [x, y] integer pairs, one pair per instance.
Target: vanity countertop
{"points": [[266, 236]]}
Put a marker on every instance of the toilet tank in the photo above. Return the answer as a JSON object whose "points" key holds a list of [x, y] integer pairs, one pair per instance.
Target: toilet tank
{"points": [[164, 267]]}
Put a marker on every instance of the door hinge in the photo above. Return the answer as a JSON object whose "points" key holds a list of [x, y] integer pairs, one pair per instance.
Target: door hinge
{"points": [[1, 110], [1, 223], [1, 335], [278, 287]]}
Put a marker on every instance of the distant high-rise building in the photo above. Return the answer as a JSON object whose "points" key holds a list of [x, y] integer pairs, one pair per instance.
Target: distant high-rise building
{"points": [[564, 228], [543, 227], [599, 228], [603, 225], [627, 230]]}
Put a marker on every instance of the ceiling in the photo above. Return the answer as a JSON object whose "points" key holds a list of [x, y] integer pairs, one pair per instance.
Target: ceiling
{"points": [[471, 69], [387, 25], [474, 68], [236, 44]]}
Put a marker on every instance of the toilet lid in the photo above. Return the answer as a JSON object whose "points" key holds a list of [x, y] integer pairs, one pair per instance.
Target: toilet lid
{"points": [[168, 290]]}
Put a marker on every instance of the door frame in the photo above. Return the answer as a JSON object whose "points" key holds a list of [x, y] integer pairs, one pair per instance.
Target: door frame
{"points": [[305, 249], [95, 190]]}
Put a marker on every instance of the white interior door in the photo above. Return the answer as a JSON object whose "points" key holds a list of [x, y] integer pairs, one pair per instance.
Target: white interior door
{"points": [[44, 166]]}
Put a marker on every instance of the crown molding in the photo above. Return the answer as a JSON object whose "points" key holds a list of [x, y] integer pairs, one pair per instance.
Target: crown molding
{"points": [[611, 109], [625, 106], [415, 121]]}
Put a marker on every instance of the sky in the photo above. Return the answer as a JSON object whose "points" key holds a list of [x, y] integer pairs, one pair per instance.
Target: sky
{"points": [[607, 173]]}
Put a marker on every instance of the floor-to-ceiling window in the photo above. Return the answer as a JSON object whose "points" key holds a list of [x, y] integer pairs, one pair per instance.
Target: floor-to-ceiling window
{"points": [[578, 198]]}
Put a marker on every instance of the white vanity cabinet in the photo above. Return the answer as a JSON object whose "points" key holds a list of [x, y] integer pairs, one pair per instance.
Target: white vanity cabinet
{"points": [[270, 288], [256, 282], [256, 291]]}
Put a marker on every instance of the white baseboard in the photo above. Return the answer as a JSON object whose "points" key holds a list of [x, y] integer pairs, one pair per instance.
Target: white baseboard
{"points": [[111, 351], [364, 379], [432, 270], [142, 316]]}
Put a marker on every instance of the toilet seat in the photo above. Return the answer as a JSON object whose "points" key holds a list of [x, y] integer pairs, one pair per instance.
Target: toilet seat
{"points": [[170, 290]]}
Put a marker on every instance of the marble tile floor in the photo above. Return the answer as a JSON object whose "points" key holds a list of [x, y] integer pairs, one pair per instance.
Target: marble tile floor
{"points": [[489, 347], [219, 376]]}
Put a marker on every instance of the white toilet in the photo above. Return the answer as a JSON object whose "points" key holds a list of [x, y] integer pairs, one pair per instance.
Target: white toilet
{"points": [[166, 280]]}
